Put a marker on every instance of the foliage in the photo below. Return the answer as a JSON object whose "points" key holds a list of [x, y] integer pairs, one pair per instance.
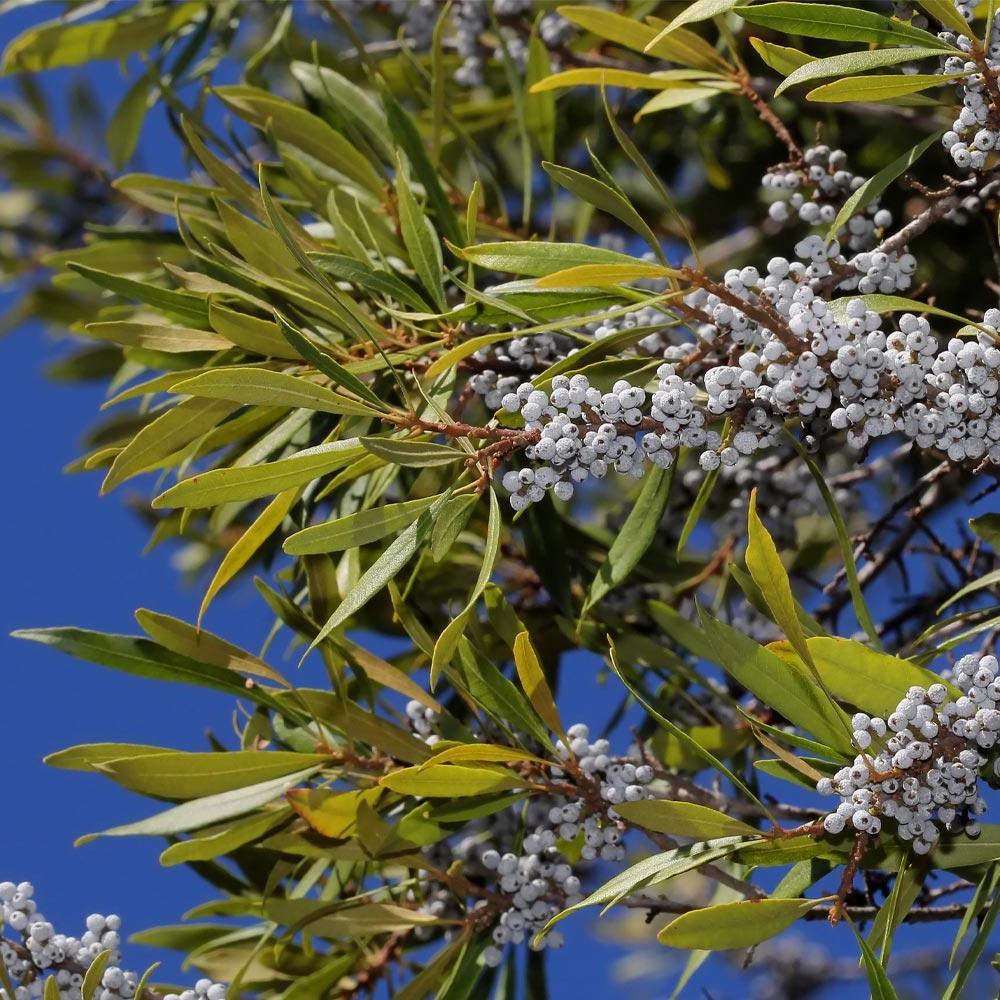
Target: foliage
{"points": [[425, 258]]}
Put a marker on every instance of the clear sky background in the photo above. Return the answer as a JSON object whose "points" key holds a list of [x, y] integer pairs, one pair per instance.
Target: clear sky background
{"points": [[73, 558]]}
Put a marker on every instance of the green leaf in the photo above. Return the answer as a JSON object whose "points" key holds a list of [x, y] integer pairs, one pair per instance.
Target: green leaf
{"points": [[869, 679], [599, 275], [987, 527], [975, 951], [699, 10], [126, 122], [421, 240], [449, 524], [769, 574], [635, 536], [734, 925], [450, 780], [653, 870], [92, 977], [878, 980], [781, 686], [603, 196], [495, 693], [947, 13], [844, 24], [854, 62], [536, 258], [183, 423], [687, 741], [327, 86], [536, 687], [90, 756], [314, 354], [414, 145], [182, 775], [905, 890], [987, 885], [684, 819], [263, 387], [182, 305], [392, 560], [202, 812], [448, 641], [415, 454], [366, 276], [248, 544], [880, 87], [990, 579], [203, 646], [600, 77], [627, 31], [844, 542], [143, 658], [679, 96], [220, 842], [782, 58], [58, 44], [304, 130], [539, 107], [356, 529], [218, 486]]}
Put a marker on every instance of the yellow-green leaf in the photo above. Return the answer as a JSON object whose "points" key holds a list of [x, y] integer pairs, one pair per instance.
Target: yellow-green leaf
{"points": [[264, 387], [536, 687], [734, 925], [880, 87], [685, 819], [596, 275], [248, 544], [451, 781]]}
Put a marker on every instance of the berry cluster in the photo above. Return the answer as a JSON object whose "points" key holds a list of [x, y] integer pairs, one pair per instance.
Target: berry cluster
{"points": [[423, 722], [920, 767], [824, 172], [42, 954], [539, 880], [520, 354], [976, 130]]}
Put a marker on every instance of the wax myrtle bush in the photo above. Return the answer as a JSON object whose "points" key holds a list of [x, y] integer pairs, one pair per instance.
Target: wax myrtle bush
{"points": [[662, 334]]}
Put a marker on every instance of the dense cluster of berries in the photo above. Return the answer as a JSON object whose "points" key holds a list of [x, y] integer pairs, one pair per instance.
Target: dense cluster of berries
{"points": [[44, 954], [976, 130], [520, 354], [471, 19], [539, 880], [520, 851], [920, 767], [815, 191]]}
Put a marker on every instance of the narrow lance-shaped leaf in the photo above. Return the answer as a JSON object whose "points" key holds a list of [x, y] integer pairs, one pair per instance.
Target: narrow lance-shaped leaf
{"points": [[636, 534], [881, 87], [854, 62], [684, 819], [392, 560], [211, 809], [359, 528], [263, 387], [248, 544], [845, 24], [536, 687], [447, 642], [421, 240], [734, 925]]}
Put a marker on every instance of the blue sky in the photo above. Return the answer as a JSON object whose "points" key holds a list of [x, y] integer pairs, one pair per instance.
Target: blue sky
{"points": [[73, 558]]}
